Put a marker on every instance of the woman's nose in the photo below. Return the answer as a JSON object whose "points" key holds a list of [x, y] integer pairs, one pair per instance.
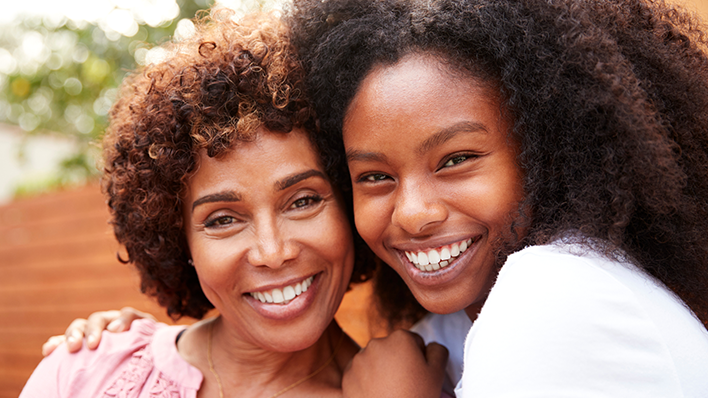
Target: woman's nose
{"points": [[418, 207], [273, 246]]}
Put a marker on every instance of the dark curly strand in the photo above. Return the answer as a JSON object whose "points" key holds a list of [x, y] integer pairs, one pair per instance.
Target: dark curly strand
{"points": [[608, 98], [215, 89]]}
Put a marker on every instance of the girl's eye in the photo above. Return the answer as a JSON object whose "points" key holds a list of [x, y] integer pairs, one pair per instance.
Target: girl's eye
{"points": [[219, 221], [306, 201], [374, 177], [456, 160]]}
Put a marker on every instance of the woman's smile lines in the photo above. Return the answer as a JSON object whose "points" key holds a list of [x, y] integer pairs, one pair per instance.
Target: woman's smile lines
{"points": [[283, 296], [434, 259]]}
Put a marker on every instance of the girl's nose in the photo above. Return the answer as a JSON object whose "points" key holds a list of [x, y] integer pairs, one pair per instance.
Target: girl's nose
{"points": [[417, 208]]}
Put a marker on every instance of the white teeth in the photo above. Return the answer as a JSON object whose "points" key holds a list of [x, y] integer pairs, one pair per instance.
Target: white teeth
{"points": [[463, 246], [283, 296], [277, 296], [433, 260], [434, 257], [455, 250], [289, 293]]}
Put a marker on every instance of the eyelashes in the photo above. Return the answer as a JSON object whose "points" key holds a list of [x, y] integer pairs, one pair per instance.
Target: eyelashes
{"points": [[300, 204], [305, 202], [451, 161], [219, 221]]}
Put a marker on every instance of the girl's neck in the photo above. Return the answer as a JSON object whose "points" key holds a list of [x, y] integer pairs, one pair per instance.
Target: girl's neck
{"points": [[252, 371]]}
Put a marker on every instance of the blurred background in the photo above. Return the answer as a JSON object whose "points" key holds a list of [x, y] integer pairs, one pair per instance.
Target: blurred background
{"points": [[60, 65]]}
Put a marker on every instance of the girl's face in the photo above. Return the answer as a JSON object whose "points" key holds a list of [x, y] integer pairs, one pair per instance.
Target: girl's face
{"points": [[435, 180], [270, 241]]}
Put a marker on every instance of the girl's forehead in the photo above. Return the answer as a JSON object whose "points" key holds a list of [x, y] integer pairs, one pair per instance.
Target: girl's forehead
{"points": [[417, 91]]}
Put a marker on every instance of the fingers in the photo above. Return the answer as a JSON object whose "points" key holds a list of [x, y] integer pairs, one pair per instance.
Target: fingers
{"points": [[75, 334], [400, 362], [96, 323], [52, 343], [437, 355], [125, 318], [113, 321]]}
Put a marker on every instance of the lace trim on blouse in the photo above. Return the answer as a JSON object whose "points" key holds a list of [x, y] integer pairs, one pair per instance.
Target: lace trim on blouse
{"points": [[130, 382]]}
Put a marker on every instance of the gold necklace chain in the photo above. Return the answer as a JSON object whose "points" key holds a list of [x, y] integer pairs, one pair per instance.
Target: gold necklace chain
{"points": [[284, 390]]}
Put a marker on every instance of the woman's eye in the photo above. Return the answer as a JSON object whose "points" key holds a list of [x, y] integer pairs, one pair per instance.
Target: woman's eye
{"points": [[306, 201], [219, 221]]}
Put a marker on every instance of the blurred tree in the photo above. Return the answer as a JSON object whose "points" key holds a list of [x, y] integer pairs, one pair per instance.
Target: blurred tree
{"points": [[60, 75]]}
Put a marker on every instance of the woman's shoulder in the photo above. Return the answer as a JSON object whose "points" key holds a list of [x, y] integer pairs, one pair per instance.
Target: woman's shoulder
{"points": [[122, 360]]}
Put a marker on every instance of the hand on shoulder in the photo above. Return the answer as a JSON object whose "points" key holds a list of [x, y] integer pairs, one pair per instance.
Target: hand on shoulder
{"points": [[400, 365]]}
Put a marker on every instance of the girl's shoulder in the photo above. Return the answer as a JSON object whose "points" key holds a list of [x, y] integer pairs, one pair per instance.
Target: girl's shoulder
{"points": [[569, 317]]}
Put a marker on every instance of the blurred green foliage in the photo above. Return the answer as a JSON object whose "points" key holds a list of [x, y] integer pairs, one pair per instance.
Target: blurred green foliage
{"points": [[59, 75]]}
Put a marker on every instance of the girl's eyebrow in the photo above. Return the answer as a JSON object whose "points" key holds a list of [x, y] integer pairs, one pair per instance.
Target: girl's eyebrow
{"points": [[438, 138], [361, 156], [449, 132]]}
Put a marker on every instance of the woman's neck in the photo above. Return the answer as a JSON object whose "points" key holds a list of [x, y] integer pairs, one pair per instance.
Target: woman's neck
{"points": [[246, 370]]}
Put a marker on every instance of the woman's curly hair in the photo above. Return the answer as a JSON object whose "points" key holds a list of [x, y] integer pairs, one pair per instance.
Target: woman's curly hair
{"points": [[609, 102], [214, 89]]}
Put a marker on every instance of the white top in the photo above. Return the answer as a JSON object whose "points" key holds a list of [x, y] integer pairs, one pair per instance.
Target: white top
{"points": [[560, 323], [449, 330]]}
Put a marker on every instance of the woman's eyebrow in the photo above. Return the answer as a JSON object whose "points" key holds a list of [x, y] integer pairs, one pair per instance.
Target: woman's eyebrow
{"points": [[295, 178], [449, 132], [226, 196]]}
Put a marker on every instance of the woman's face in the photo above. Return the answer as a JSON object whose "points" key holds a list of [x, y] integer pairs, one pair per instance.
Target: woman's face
{"points": [[269, 239], [435, 180]]}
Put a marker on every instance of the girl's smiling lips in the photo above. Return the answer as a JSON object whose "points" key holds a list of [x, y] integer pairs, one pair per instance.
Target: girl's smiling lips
{"points": [[437, 265], [439, 257]]}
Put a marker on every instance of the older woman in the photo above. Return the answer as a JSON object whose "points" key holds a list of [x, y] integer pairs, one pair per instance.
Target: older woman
{"points": [[222, 200]]}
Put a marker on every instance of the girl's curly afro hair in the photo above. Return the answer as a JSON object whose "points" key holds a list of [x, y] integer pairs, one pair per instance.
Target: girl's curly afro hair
{"points": [[214, 89], [609, 101]]}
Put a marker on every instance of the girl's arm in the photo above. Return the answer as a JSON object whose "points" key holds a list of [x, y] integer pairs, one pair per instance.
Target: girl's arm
{"points": [[400, 365], [113, 321]]}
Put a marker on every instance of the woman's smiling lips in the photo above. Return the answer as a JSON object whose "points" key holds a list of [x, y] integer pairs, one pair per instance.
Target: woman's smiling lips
{"points": [[283, 295], [286, 301]]}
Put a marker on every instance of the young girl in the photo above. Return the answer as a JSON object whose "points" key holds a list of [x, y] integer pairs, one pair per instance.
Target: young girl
{"points": [[542, 164]]}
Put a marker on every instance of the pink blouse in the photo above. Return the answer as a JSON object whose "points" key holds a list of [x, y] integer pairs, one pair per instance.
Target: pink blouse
{"points": [[140, 363]]}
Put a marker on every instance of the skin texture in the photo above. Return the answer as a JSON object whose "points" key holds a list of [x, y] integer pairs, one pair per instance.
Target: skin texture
{"points": [[431, 165]]}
